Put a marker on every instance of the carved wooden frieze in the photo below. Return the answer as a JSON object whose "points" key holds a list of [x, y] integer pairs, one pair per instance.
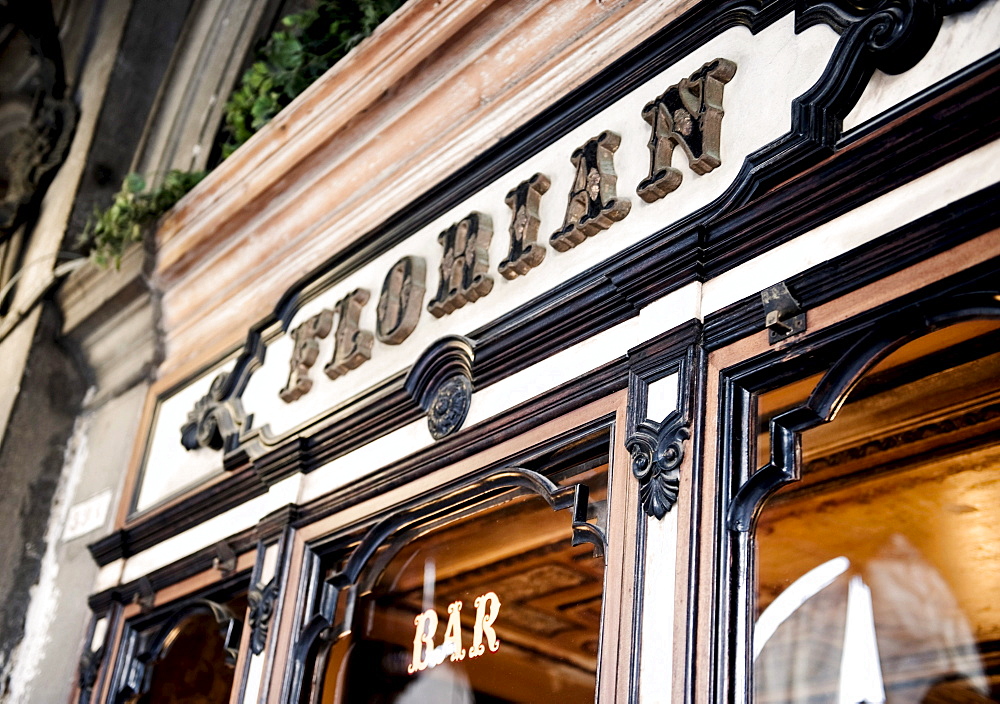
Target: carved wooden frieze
{"points": [[657, 450], [525, 252], [401, 300], [464, 264], [352, 346], [689, 115], [215, 419], [262, 600], [593, 205], [305, 350]]}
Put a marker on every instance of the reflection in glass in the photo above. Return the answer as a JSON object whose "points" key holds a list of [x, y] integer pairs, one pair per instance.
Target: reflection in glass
{"points": [[195, 664], [879, 572], [493, 605]]}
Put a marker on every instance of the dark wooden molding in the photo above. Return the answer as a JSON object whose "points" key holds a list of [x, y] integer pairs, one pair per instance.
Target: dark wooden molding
{"points": [[271, 526], [843, 352], [193, 564], [904, 325], [516, 421], [894, 251], [146, 639]]}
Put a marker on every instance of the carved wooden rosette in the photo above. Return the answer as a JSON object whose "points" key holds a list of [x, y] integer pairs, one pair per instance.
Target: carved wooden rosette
{"points": [[450, 406], [262, 600], [688, 114], [525, 252], [352, 345], [464, 264], [401, 300], [305, 350], [215, 419], [657, 450], [441, 383], [593, 205]]}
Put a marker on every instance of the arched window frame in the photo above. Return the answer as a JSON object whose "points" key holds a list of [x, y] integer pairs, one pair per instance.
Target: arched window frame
{"points": [[844, 353]]}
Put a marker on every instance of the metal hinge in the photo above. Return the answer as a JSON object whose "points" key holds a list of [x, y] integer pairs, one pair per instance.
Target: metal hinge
{"points": [[783, 316]]}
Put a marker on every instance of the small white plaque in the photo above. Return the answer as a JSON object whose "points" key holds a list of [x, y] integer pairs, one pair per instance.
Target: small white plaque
{"points": [[88, 515]]}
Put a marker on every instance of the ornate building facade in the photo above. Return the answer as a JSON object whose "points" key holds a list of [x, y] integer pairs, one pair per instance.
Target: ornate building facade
{"points": [[540, 351]]}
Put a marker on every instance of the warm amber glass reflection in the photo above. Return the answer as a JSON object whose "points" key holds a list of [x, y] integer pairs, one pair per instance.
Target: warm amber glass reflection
{"points": [[194, 667], [879, 572], [547, 624]]}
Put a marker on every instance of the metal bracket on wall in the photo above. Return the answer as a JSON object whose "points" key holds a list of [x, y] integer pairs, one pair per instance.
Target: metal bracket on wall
{"points": [[784, 316], [225, 558], [145, 597]]}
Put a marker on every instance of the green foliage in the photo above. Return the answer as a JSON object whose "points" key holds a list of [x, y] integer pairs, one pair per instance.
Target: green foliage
{"points": [[301, 51], [109, 232]]}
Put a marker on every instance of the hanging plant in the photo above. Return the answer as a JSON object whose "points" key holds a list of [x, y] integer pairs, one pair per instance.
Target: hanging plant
{"points": [[305, 47], [109, 232]]}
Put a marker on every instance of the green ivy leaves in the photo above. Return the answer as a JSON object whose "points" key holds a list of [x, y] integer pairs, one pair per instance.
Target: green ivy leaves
{"points": [[302, 50], [308, 44], [109, 232]]}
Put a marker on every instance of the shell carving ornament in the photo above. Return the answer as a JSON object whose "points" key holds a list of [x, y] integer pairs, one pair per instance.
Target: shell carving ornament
{"points": [[657, 451]]}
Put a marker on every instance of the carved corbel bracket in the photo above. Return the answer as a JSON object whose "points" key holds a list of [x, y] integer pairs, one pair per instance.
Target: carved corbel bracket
{"points": [[657, 450], [441, 383], [262, 599]]}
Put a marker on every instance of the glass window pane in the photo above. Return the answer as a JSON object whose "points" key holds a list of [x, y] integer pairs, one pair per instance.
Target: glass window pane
{"points": [[493, 605], [879, 572]]}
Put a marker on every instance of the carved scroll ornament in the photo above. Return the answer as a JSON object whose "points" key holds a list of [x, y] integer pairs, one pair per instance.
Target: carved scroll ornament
{"points": [[262, 600], [215, 419], [657, 450]]}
